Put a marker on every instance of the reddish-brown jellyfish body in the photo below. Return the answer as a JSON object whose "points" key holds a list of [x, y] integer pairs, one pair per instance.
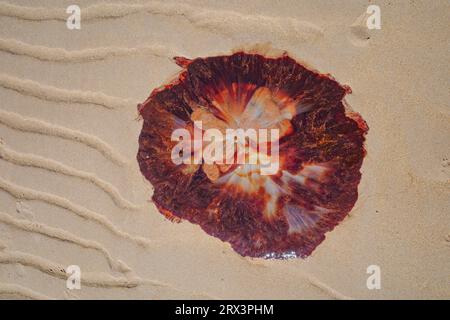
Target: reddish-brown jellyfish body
{"points": [[321, 149]]}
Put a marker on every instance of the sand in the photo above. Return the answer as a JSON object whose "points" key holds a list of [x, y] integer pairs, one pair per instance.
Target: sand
{"points": [[71, 192]]}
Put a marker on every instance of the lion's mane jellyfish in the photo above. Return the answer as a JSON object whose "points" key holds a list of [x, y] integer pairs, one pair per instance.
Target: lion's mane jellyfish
{"points": [[321, 149]]}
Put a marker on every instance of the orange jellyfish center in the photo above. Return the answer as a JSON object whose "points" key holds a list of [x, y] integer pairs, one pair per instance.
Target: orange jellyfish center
{"points": [[245, 107]]}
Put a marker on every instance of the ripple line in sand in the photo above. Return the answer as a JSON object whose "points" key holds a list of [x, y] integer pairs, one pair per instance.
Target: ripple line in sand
{"points": [[63, 235], [31, 160], [85, 55], [15, 289], [16, 121], [20, 192], [50, 93], [326, 289], [313, 281], [226, 22], [92, 279]]}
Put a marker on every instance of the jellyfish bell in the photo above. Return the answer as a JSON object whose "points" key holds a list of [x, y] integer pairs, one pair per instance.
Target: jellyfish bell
{"points": [[309, 143]]}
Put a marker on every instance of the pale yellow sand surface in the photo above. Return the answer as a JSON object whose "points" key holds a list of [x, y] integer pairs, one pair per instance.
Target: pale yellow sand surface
{"points": [[71, 192]]}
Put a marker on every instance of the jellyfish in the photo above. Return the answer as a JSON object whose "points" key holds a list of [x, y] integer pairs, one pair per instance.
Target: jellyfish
{"points": [[319, 143]]}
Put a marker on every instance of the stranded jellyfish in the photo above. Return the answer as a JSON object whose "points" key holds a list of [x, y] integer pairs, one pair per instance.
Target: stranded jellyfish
{"points": [[320, 149]]}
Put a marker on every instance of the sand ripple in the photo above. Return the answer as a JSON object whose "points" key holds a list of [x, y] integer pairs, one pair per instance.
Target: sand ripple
{"points": [[226, 22], [18, 290], [85, 55], [36, 161], [44, 92], [18, 122], [20, 192]]}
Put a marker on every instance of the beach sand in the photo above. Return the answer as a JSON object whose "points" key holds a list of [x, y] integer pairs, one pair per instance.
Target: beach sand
{"points": [[71, 192]]}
